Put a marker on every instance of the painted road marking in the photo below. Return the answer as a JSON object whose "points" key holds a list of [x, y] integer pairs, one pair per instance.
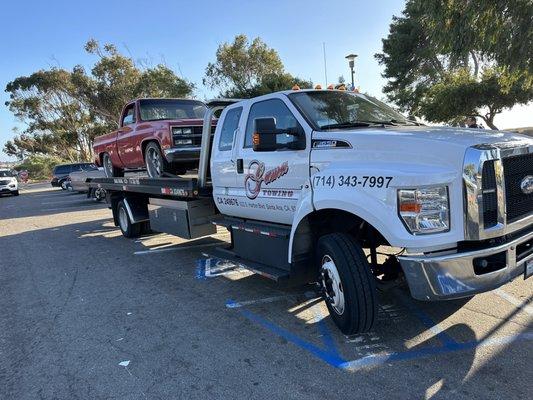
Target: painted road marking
{"points": [[514, 301], [196, 246]]}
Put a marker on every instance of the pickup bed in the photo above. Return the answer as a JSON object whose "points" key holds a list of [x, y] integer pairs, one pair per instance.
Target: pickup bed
{"points": [[313, 184], [161, 135]]}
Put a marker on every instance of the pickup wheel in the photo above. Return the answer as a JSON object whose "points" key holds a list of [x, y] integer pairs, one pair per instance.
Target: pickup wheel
{"points": [[109, 169], [347, 283], [129, 229], [156, 165]]}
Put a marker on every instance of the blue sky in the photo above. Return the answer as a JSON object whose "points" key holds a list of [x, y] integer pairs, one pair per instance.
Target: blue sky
{"points": [[185, 35]]}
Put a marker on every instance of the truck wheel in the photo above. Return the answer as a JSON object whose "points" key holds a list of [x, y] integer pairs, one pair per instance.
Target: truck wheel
{"points": [[347, 283], [15, 193], [156, 165], [109, 169], [128, 229]]}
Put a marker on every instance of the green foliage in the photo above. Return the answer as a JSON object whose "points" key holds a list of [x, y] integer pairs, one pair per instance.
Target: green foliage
{"points": [[448, 59], [243, 69], [57, 123], [115, 79], [39, 167]]}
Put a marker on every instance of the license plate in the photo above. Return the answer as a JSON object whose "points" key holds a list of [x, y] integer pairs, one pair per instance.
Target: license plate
{"points": [[529, 269]]}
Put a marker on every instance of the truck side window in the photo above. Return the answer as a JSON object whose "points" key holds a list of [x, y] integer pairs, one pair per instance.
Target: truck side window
{"points": [[129, 115], [276, 108], [230, 125]]}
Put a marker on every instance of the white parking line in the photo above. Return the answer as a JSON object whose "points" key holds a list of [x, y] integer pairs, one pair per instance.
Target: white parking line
{"points": [[142, 252], [514, 301]]}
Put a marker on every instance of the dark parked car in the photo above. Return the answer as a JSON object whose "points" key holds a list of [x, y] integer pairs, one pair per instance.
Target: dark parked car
{"points": [[61, 173]]}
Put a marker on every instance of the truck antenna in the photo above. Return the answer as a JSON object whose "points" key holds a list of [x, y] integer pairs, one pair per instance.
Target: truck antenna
{"points": [[325, 65]]}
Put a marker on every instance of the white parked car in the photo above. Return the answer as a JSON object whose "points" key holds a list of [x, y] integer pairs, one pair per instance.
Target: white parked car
{"points": [[8, 182]]}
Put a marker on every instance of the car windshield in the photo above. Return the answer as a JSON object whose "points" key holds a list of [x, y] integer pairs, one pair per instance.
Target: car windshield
{"points": [[6, 174], [341, 110], [153, 110]]}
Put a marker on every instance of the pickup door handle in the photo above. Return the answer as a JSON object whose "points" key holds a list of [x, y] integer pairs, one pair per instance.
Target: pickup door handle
{"points": [[240, 165]]}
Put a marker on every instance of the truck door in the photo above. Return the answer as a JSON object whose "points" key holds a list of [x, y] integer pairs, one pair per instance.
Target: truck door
{"points": [[223, 167], [126, 136], [269, 183]]}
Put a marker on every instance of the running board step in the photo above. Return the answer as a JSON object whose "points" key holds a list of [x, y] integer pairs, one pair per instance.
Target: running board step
{"points": [[276, 274]]}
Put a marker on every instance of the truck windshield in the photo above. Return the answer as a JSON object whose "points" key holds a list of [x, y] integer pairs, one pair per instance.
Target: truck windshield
{"points": [[343, 110], [6, 174], [158, 109]]}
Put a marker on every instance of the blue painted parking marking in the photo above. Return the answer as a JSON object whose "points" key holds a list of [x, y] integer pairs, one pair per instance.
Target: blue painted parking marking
{"points": [[331, 356]]}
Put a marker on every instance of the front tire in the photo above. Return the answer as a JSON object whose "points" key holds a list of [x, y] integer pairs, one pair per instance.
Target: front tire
{"points": [[110, 170], [156, 165], [347, 283], [128, 229], [15, 193]]}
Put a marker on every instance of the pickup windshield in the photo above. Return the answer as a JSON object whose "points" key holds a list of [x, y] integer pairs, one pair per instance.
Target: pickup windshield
{"points": [[159, 109], [326, 110], [6, 174]]}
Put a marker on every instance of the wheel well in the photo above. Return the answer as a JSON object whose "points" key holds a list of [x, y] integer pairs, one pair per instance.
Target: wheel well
{"points": [[322, 222], [145, 144]]}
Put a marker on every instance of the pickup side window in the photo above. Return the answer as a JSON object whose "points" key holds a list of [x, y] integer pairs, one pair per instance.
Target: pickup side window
{"points": [[276, 108], [129, 115], [230, 125]]}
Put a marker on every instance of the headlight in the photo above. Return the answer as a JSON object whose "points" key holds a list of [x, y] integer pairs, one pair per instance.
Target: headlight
{"points": [[181, 131], [425, 210]]}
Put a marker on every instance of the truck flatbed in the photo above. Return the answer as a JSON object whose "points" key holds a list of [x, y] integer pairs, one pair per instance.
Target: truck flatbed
{"points": [[181, 188]]}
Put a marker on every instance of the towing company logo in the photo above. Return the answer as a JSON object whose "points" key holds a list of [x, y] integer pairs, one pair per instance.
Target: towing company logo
{"points": [[257, 176], [527, 184]]}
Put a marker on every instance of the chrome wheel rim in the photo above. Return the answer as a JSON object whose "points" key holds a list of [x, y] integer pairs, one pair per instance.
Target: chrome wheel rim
{"points": [[123, 219], [108, 166], [154, 163], [332, 284]]}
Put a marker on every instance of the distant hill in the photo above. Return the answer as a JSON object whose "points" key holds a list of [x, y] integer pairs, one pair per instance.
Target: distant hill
{"points": [[524, 131]]}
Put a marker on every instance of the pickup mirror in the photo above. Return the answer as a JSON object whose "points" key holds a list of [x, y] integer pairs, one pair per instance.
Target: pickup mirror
{"points": [[266, 134]]}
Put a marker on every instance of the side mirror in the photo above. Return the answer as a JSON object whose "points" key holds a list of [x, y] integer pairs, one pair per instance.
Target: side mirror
{"points": [[264, 136]]}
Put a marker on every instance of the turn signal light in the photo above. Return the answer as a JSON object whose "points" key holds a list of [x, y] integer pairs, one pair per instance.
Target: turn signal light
{"points": [[410, 207], [256, 139]]}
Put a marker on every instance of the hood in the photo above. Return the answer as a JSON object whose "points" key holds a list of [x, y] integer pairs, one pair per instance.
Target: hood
{"points": [[437, 146], [463, 137]]}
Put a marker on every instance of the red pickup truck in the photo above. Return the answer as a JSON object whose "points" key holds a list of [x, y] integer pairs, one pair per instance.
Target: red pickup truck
{"points": [[161, 135]]}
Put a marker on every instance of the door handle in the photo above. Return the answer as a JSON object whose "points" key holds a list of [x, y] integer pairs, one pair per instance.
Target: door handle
{"points": [[240, 165]]}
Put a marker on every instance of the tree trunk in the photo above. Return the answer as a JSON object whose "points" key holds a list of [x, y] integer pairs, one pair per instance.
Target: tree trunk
{"points": [[489, 120]]}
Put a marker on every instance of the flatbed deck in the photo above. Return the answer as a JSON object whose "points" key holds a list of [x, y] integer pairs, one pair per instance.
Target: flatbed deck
{"points": [[182, 188]]}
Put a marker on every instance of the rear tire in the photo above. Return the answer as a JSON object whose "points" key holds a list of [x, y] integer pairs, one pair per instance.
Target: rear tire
{"points": [[347, 283], [155, 162], [129, 229], [109, 169]]}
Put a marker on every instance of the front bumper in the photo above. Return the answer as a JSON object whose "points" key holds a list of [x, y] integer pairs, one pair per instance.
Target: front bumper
{"points": [[453, 276], [7, 189], [182, 154]]}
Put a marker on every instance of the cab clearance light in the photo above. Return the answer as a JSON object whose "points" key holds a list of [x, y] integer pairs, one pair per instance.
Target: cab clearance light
{"points": [[296, 87], [331, 87], [318, 87]]}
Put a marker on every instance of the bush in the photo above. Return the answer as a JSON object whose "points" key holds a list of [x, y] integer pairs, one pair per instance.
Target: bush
{"points": [[39, 167]]}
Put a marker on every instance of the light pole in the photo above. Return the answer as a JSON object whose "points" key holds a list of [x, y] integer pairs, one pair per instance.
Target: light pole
{"points": [[351, 63]]}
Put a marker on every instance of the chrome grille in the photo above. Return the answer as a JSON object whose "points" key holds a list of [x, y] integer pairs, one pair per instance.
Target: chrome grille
{"points": [[518, 203], [490, 195]]}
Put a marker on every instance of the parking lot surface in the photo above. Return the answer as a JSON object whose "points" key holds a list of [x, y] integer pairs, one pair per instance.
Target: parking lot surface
{"points": [[88, 314]]}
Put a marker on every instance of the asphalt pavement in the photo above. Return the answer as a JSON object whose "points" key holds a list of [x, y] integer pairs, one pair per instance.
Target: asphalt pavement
{"points": [[88, 314]]}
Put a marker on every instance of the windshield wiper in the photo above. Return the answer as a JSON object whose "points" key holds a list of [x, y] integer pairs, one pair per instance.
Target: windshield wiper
{"points": [[354, 124], [393, 122]]}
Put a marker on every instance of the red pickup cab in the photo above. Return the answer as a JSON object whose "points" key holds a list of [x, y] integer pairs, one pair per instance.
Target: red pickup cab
{"points": [[162, 136]]}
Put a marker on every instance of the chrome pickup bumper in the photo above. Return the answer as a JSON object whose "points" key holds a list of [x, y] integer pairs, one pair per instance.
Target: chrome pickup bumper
{"points": [[452, 276]]}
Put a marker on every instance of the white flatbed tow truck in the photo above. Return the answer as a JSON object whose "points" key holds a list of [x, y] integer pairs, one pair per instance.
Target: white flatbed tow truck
{"points": [[312, 184]]}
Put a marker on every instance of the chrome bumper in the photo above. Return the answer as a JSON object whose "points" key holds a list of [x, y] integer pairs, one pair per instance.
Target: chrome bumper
{"points": [[182, 154], [452, 276]]}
